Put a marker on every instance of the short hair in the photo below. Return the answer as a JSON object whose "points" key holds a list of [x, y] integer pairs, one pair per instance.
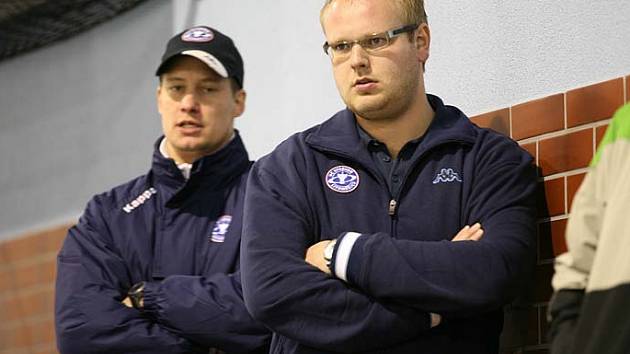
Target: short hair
{"points": [[411, 11]]}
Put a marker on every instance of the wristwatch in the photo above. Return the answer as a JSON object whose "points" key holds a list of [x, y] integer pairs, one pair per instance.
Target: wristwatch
{"points": [[328, 252], [136, 295]]}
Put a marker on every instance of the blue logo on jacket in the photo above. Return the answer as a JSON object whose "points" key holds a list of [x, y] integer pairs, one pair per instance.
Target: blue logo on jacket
{"points": [[220, 228], [342, 179], [447, 175]]}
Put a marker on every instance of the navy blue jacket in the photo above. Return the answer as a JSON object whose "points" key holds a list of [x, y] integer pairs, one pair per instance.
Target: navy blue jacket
{"points": [[183, 238], [407, 266]]}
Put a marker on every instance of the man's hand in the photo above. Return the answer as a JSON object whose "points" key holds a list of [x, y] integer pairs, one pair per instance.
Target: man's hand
{"points": [[469, 233], [127, 302], [315, 256], [315, 253]]}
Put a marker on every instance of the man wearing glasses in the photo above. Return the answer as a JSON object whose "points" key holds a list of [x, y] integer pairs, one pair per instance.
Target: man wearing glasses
{"points": [[348, 226]]}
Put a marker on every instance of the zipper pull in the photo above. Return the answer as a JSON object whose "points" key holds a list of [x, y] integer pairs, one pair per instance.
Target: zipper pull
{"points": [[392, 207]]}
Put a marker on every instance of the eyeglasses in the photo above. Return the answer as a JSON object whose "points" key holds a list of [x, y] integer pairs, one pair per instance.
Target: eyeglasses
{"points": [[371, 43]]}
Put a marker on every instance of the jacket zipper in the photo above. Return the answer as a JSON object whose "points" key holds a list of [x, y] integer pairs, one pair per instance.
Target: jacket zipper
{"points": [[392, 207], [393, 203]]}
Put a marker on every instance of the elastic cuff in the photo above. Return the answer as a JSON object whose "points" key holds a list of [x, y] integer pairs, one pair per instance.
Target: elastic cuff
{"points": [[355, 261], [151, 290], [341, 254]]}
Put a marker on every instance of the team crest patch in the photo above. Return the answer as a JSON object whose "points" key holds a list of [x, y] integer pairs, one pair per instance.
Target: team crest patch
{"points": [[342, 179], [220, 228], [198, 34]]}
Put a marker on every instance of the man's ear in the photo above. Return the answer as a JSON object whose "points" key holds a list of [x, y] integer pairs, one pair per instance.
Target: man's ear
{"points": [[239, 98], [157, 97], [423, 42]]}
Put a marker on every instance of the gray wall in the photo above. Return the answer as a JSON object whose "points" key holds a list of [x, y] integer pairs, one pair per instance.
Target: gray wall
{"points": [[485, 55], [78, 117]]}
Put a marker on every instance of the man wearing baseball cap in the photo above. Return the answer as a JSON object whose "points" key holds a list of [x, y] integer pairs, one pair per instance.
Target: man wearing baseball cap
{"points": [[152, 265]]}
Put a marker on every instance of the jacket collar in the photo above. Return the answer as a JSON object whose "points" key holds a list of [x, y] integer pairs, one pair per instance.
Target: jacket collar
{"points": [[213, 171], [339, 134]]}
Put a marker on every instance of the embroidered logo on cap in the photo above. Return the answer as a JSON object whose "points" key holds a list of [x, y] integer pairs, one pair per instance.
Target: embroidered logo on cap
{"points": [[198, 34], [447, 175], [342, 179], [220, 228]]}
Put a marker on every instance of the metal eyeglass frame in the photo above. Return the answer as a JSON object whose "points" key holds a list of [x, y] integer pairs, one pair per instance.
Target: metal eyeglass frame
{"points": [[364, 42]]}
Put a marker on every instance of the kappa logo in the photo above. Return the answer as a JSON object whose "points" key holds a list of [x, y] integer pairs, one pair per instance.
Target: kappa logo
{"points": [[447, 175], [342, 179], [146, 195], [220, 228], [198, 34]]}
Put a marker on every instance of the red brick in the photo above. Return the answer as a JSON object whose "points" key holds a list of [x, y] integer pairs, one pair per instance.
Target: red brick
{"points": [[565, 152], [12, 309], [554, 195], [573, 183], [531, 149], [15, 337], [34, 244], [47, 269], [538, 117], [628, 88], [6, 280], [595, 102], [50, 349], [26, 276], [35, 304], [599, 134], [43, 331], [498, 121]]}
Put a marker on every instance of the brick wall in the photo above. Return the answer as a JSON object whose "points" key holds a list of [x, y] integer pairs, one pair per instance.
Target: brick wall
{"points": [[561, 131], [27, 273]]}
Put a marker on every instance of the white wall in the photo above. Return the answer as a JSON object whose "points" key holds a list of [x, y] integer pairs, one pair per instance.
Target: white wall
{"points": [[486, 54], [78, 117]]}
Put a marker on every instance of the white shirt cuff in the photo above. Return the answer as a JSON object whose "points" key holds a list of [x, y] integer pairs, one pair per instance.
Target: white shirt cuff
{"points": [[343, 254]]}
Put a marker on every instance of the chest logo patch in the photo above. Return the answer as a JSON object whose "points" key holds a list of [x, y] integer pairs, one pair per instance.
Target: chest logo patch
{"points": [[447, 175], [342, 179], [220, 228]]}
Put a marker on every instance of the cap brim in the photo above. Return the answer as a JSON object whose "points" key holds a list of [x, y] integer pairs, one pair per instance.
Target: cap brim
{"points": [[209, 60]]}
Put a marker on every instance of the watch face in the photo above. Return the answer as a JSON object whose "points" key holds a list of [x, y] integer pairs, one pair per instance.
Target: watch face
{"points": [[136, 295], [136, 288]]}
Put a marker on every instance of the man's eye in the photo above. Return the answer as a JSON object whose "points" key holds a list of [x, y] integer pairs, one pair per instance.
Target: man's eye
{"points": [[341, 47], [208, 89], [375, 42], [176, 88]]}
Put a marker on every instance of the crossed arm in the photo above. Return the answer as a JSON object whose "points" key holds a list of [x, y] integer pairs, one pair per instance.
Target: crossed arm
{"points": [[183, 314], [315, 255]]}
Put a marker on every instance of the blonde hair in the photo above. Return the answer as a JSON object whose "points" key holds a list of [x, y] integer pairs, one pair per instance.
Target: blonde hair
{"points": [[411, 11]]}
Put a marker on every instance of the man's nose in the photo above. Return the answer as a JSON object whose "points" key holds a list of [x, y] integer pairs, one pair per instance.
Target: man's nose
{"points": [[359, 58], [189, 102]]}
